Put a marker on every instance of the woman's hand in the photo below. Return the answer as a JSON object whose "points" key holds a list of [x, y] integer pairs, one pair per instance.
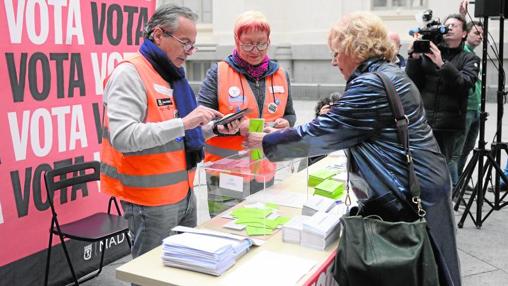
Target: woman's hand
{"points": [[244, 126], [325, 109], [280, 123], [230, 128], [269, 129], [255, 140]]}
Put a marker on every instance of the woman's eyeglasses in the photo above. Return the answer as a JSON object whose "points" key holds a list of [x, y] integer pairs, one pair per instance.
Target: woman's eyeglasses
{"points": [[187, 47], [334, 56], [250, 47]]}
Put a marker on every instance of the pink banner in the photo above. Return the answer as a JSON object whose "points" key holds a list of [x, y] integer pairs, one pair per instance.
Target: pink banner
{"points": [[54, 58]]}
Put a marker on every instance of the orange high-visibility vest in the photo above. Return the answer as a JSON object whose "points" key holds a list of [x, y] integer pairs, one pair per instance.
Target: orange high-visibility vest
{"points": [[155, 176], [234, 93]]}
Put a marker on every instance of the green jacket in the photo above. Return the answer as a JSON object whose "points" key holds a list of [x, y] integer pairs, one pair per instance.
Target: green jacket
{"points": [[475, 93]]}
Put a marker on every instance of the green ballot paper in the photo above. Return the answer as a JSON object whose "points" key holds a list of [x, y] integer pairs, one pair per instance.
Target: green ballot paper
{"points": [[318, 176], [256, 125], [254, 231], [251, 213], [330, 189]]}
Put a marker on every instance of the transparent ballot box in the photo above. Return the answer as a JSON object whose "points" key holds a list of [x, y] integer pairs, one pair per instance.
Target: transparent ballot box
{"points": [[259, 198], [233, 179]]}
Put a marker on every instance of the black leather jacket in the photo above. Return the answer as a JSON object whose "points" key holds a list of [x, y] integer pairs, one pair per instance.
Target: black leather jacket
{"points": [[445, 90], [362, 122]]}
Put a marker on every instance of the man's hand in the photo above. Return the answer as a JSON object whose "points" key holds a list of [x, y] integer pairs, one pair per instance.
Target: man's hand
{"points": [[435, 55], [200, 116], [463, 8], [280, 123], [411, 53]]}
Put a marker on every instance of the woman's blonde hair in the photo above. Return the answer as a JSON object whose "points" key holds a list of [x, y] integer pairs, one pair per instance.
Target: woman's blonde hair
{"points": [[251, 21], [361, 35]]}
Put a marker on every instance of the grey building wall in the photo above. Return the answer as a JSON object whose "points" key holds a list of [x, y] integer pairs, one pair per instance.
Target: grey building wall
{"points": [[299, 33], [310, 70]]}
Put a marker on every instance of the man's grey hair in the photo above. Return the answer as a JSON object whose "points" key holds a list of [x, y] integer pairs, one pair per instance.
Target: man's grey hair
{"points": [[167, 16]]}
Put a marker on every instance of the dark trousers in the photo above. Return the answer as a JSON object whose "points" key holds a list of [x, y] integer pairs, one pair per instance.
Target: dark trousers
{"points": [[470, 137], [448, 142]]}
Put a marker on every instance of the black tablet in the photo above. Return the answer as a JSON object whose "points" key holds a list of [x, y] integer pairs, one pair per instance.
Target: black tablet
{"points": [[231, 117]]}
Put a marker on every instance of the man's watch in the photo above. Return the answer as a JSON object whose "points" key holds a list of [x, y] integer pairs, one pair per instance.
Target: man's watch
{"points": [[215, 130]]}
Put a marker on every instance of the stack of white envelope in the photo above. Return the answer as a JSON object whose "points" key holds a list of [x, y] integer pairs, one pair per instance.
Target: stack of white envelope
{"points": [[320, 230], [292, 230], [203, 253], [317, 203]]}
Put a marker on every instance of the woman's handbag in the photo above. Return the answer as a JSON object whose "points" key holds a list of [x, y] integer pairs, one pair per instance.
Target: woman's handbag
{"points": [[376, 252]]}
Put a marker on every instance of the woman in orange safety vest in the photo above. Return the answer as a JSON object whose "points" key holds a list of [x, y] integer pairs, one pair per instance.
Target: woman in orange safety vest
{"points": [[247, 78]]}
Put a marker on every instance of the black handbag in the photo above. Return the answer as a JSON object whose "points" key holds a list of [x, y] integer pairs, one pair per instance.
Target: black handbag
{"points": [[373, 251]]}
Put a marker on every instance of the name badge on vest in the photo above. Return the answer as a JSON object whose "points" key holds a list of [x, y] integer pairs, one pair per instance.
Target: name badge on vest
{"points": [[234, 95], [234, 91], [278, 89], [239, 99], [164, 102], [272, 107]]}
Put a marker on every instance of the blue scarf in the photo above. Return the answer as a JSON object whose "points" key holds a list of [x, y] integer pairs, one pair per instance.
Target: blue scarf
{"points": [[183, 96]]}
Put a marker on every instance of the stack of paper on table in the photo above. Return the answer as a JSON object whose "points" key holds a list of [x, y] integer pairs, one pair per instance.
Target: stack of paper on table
{"points": [[340, 177], [292, 230], [203, 253], [259, 218], [317, 203], [330, 189], [319, 176], [320, 230], [271, 268], [340, 208]]}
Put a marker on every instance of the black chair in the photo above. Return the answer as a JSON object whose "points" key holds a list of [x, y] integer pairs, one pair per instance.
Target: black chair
{"points": [[93, 228]]}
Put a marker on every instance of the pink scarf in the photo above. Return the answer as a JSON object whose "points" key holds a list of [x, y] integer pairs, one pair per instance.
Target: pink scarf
{"points": [[254, 71]]}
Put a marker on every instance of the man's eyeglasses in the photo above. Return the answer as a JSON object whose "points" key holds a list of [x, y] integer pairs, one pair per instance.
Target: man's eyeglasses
{"points": [[187, 47], [250, 47], [453, 25]]}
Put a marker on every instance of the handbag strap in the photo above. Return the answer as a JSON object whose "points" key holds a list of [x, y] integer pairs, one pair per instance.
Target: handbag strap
{"points": [[402, 122]]}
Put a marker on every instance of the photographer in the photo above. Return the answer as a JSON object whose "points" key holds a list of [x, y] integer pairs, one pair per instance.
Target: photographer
{"points": [[444, 76]]}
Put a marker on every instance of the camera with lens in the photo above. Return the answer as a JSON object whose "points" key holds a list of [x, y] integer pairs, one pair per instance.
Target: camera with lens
{"points": [[432, 31]]}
